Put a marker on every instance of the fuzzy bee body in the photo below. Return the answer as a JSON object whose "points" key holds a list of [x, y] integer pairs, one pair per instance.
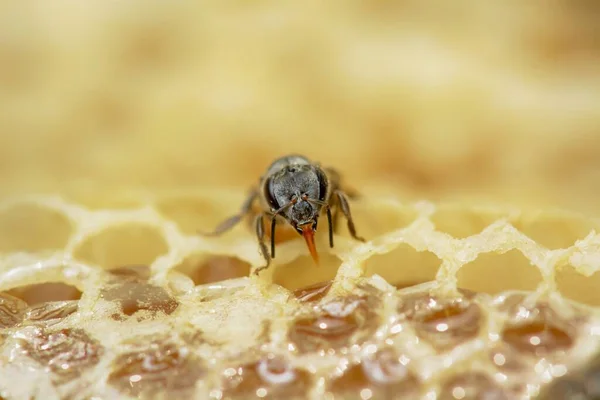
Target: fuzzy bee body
{"points": [[294, 190]]}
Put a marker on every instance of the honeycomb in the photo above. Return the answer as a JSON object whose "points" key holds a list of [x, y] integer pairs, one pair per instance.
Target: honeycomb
{"points": [[443, 301], [128, 126]]}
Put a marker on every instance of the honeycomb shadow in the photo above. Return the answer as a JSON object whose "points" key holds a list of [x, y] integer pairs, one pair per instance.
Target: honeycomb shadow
{"points": [[302, 272]]}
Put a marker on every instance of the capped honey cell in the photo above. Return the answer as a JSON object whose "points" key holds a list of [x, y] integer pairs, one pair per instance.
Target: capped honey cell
{"points": [[65, 352], [384, 374], [159, 366], [11, 310], [271, 377], [443, 322]]}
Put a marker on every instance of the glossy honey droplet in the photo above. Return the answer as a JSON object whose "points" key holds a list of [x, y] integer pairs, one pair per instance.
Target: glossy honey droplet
{"points": [[132, 272], [134, 296], [65, 352], [337, 324], [383, 375], [159, 366], [443, 322], [51, 311], [271, 377], [507, 360], [472, 386], [313, 293], [11, 310], [539, 332]]}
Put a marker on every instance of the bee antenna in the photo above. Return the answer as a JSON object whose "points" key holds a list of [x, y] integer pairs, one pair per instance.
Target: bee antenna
{"points": [[319, 202], [283, 208]]}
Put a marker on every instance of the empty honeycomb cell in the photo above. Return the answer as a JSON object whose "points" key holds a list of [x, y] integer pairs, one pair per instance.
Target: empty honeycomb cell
{"points": [[134, 296], [195, 214], [383, 375], [65, 352], [284, 232], [204, 269], [122, 245], [473, 386], [46, 292], [11, 310], [271, 377], [372, 221], [461, 223], [555, 231], [404, 266], [337, 324], [29, 227], [303, 272], [578, 287], [494, 272], [157, 366], [443, 322]]}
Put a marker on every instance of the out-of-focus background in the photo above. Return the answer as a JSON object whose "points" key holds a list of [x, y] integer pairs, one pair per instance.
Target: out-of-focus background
{"points": [[491, 99]]}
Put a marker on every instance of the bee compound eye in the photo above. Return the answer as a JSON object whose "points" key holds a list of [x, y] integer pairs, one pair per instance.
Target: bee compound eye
{"points": [[269, 195]]}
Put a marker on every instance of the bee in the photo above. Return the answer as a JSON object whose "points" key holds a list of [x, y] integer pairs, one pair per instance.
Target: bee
{"points": [[294, 190]]}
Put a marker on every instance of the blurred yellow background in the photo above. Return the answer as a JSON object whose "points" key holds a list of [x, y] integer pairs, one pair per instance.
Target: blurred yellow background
{"points": [[488, 99]]}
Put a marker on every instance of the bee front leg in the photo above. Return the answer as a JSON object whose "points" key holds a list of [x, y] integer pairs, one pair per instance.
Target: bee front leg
{"points": [[336, 218], [336, 182], [345, 207], [331, 227], [260, 235]]}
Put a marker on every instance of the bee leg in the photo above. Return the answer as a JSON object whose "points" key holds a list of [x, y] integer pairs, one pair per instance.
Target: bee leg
{"points": [[345, 207], [273, 222], [351, 193], [232, 221], [336, 181], [260, 235], [336, 218], [330, 226]]}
